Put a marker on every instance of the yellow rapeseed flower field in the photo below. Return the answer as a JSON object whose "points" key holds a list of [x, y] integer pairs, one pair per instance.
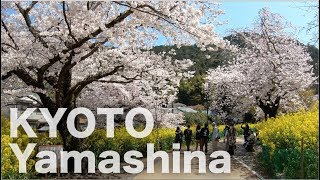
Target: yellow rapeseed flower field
{"points": [[287, 131]]}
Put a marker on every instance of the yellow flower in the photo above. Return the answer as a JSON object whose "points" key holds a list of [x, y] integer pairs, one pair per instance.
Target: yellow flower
{"points": [[287, 131]]}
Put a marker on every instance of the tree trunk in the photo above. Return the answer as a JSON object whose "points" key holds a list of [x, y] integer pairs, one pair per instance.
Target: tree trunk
{"points": [[269, 111], [273, 112], [62, 91], [70, 143]]}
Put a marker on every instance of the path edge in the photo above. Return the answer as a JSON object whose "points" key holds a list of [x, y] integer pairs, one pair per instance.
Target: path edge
{"points": [[250, 169]]}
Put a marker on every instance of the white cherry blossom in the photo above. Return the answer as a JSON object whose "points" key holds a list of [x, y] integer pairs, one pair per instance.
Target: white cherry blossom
{"points": [[268, 73]]}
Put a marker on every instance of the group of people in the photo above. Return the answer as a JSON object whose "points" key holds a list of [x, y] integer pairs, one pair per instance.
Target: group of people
{"points": [[202, 137]]}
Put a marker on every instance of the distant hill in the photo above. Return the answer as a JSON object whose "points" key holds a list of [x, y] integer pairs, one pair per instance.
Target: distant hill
{"points": [[202, 60]]}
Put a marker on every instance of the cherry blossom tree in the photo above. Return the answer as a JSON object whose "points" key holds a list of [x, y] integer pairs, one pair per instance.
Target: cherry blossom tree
{"points": [[72, 53], [269, 72], [155, 89]]}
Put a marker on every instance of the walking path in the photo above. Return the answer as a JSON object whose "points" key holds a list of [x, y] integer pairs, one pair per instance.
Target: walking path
{"points": [[242, 164], [238, 170]]}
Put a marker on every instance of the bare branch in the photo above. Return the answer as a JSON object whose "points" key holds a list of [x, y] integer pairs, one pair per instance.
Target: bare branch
{"points": [[45, 67], [93, 5], [94, 47], [264, 30], [118, 82], [9, 45]]}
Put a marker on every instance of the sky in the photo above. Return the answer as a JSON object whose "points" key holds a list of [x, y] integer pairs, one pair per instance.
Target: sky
{"points": [[242, 14]]}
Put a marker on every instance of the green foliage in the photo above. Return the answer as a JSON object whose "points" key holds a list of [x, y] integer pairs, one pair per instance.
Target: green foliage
{"points": [[237, 39], [195, 118], [286, 163], [266, 160], [311, 162], [191, 91], [200, 58]]}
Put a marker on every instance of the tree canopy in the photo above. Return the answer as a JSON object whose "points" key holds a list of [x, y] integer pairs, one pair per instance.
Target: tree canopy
{"points": [[90, 53], [191, 90], [268, 72]]}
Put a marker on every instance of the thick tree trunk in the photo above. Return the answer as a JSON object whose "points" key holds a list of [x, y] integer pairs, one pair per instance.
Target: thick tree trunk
{"points": [[70, 143], [270, 111]]}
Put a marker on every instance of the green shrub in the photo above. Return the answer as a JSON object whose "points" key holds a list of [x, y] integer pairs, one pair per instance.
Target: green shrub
{"points": [[286, 163], [266, 160], [195, 118]]}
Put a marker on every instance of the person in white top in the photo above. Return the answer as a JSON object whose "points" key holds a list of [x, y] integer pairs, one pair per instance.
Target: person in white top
{"points": [[215, 137]]}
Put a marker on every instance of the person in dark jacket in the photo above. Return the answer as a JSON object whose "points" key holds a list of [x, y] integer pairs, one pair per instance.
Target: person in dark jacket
{"points": [[179, 135], [198, 137], [204, 138], [246, 132], [188, 137]]}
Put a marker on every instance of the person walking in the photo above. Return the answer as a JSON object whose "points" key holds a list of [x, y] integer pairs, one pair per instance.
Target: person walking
{"points": [[231, 136], [178, 138], [204, 138], [246, 132], [251, 139], [188, 137], [215, 137], [198, 137]]}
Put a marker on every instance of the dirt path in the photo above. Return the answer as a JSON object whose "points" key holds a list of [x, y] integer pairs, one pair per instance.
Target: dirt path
{"points": [[238, 171]]}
